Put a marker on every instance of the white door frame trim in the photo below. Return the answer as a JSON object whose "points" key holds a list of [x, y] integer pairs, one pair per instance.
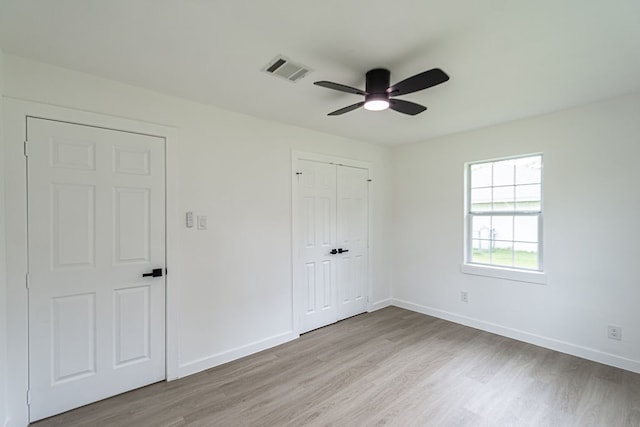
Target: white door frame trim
{"points": [[296, 295], [16, 112]]}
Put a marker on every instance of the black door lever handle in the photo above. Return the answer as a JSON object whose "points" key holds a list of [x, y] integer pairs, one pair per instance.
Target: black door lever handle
{"points": [[157, 272], [341, 251]]}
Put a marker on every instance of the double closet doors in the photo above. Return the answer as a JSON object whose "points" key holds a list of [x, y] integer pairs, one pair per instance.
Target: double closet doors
{"points": [[331, 236]]}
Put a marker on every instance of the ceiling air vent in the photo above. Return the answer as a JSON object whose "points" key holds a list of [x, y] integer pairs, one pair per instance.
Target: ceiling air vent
{"points": [[283, 67]]}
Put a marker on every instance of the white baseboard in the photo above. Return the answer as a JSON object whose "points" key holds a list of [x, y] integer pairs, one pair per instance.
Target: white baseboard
{"points": [[233, 354], [550, 343], [379, 304]]}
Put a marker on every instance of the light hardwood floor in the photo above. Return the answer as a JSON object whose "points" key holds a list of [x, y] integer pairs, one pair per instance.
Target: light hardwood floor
{"points": [[391, 367]]}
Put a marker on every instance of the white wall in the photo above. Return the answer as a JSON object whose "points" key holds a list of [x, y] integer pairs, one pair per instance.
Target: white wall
{"points": [[591, 231], [234, 279], [3, 274]]}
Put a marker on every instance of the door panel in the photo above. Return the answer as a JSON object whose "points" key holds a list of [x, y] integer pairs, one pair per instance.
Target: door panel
{"points": [[132, 325], [73, 227], [317, 198], [132, 225], [352, 236], [74, 337], [96, 224]]}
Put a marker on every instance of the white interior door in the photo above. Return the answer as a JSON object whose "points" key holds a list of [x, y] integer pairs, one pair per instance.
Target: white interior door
{"points": [[96, 219], [332, 242], [352, 240], [317, 213]]}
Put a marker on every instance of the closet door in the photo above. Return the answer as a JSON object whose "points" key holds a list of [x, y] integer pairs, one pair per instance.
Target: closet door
{"points": [[352, 240], [331, 240], [317, 238]]}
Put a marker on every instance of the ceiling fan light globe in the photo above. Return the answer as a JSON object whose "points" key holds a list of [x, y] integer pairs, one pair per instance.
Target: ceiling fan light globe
{"points": [[376, 105]]}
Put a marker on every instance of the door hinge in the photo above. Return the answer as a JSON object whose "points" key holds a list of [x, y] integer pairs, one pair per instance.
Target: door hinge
{"points": [[27, 280], [26, 148], [28, 396]]}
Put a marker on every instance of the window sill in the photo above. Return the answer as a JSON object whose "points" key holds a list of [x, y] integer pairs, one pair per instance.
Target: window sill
{"points": [[505, 273]]}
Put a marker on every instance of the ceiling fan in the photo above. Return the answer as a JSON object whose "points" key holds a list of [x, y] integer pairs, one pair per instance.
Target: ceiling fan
{"points": [[378, 93]]}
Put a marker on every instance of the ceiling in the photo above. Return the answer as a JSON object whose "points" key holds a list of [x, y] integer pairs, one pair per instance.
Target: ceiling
{"points": [[507, 59]]}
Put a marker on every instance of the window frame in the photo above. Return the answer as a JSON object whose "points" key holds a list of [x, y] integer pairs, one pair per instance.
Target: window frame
{"points": [[492, 270]]}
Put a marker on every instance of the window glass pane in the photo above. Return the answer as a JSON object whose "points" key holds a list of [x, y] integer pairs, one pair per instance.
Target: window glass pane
{"points": [[528, 197], [504, 172], [526, 255], [505, 206], [481, 175], [480, 251], [481, 200], [529, 170], [502, 254], [526, 229], [502, 227], [481, 227], [503, 199]]}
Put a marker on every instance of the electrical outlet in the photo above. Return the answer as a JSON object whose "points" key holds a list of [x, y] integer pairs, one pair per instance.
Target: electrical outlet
{"points": [[464, 296], [615, 332]]}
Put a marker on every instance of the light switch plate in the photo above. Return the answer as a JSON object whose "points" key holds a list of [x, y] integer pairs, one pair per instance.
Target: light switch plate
{"points": [[189, 219], [202, 222]]}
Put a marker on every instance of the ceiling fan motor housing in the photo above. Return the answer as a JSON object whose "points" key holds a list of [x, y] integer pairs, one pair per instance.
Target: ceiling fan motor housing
{"points": [[378, 81]]}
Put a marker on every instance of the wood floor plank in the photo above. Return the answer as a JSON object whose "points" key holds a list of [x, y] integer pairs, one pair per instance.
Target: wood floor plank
{"points": [[392, 367]]}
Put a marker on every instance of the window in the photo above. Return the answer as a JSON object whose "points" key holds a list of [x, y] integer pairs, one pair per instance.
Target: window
{"points": [[504, 213]]}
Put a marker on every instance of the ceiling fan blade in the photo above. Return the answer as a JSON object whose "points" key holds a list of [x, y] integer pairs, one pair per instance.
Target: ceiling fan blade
{"points": [[341, 88], [418, 82], [346, 109], [406, 107]]}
